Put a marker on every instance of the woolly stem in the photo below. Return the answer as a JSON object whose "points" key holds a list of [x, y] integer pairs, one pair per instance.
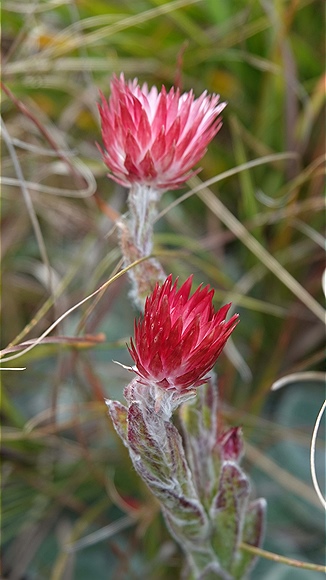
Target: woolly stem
{"points": [[136, 241]]}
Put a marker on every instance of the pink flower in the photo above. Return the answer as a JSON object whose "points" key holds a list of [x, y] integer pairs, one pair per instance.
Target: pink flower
{"points": [[231, 444], [179, 337], [154, 138]]}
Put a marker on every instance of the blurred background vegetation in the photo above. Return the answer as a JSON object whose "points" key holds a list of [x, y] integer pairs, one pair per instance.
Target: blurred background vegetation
{"points": [[65, 475]]}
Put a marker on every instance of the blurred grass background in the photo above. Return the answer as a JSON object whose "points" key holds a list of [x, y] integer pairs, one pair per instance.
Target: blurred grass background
{"points": [[65, 474]]}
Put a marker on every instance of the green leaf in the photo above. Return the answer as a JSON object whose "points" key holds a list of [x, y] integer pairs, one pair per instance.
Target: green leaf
{"points": [[118, 414], [199, 423], [228, 512], [253, 532]]}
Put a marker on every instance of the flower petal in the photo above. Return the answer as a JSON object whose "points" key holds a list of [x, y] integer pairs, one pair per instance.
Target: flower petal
{"points": [[179, 338], [155, 138]]}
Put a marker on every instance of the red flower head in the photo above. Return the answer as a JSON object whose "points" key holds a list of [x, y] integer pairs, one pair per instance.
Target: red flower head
{"points": [[153, 138], [231, 444], [179, 337]]}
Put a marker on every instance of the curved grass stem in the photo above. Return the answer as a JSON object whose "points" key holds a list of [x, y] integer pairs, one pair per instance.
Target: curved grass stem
{"points": [[282, 559], [312, 456]]}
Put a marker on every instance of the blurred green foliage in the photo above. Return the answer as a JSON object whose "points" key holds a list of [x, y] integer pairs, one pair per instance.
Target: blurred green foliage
{"points": [[64, 473]]}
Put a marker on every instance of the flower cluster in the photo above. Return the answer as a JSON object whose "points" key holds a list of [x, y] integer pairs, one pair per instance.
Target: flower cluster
{"points": [[155, 138], [179, 338], [152, 140]]}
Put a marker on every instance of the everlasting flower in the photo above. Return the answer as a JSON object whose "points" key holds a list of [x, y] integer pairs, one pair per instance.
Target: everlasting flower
{"points": [[231, 444], [179, 338], [155, 138]]}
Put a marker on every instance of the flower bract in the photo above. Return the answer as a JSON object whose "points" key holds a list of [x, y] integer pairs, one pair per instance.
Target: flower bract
{"points": [[155, 138], [179, 337]]}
